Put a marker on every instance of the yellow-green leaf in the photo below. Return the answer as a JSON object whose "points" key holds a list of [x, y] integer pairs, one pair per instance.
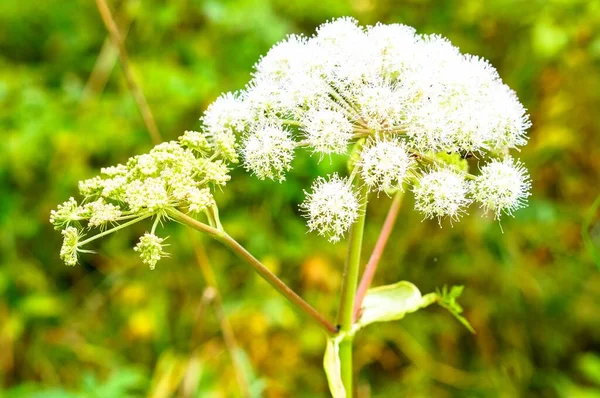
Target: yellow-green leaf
{"points": [[392, 302], [332, 365]]}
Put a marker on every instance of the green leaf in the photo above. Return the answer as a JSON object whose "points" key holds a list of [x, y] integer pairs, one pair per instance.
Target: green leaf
{"points": [[447, 299], [392, 302], [333, 367]]}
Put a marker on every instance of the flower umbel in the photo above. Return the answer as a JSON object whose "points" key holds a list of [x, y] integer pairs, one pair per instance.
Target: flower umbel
{"points": [[331, 208], [441, 193], [412, 106], [385, 163], [502, 187], [68, 251], [65, 214], [150, 248], [268, 152]]}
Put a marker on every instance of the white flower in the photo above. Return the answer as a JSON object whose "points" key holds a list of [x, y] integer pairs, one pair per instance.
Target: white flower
{"points": [[385, 163], [327, 131], [68, 251], [382, 104], [409, 96], [91, 186], [226, 112], [99, 213], [331, 208], [345, 44], [112, 171], [65, 213], [227, 116], [502, 187], [150, 248], [195, 140], [393, 48], [441, 193], [148, 194], [510, 120], [215, 172], [199, 200], [268, 152]]}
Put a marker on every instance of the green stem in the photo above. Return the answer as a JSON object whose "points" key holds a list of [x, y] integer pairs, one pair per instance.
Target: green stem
{"points": [[263, 271], [349, 284], [115, 229], [371, 267]]}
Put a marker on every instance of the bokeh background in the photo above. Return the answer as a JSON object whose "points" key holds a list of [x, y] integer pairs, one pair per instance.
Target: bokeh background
{"points": [[110, 327]]}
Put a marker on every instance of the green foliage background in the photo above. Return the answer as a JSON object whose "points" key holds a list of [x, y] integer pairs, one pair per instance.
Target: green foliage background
{"points": [[111, 327]]}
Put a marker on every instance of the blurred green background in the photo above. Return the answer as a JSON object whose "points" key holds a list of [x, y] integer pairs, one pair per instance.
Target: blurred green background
{"points": [[110, 327]]}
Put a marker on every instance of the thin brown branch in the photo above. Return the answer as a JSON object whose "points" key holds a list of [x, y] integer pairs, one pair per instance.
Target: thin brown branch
{"points": [[371, 267], [109, 53], [263, 271], [136, 92]]}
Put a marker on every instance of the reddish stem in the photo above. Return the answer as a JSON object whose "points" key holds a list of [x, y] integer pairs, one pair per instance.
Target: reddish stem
{"points": [[371, 267]]}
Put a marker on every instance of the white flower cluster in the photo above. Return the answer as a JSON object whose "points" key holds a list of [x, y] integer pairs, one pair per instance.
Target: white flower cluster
{"points": [[172, 175], [502, 187], [150, 248], [331, 207], [408, 99], [412, 107]]}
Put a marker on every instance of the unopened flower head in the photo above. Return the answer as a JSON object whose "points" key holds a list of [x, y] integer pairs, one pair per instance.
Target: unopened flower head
{"points": [[65, 214], [199, 199], [502, 187], [331, 208], [69, 249], [173, 176], [441, 193], [196, 141], [150, 249], [385, 163], [100, 213]]}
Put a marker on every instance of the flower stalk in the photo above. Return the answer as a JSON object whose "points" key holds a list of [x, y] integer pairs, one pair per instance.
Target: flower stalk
{"points": [[371, 267], [263, 271], [350, 281]]}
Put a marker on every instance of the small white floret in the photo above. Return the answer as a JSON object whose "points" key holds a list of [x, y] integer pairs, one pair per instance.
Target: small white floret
{"points": [[331, 208], [327, 131], [502, 187], [384, 164], [268, 152], [441, 193], [150, 249]]}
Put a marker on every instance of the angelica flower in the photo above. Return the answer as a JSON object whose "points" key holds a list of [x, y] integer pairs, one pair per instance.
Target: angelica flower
{"points": [[148, 194], [441, 193], [215, 172], [223, 119], [327, 131], [331, 208], [65, 214], [502, 187], [385, 163], [150, 248], [195, 140], [199, 199], [99, 212], [268, 152], [382, 104], [68, 251]]}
